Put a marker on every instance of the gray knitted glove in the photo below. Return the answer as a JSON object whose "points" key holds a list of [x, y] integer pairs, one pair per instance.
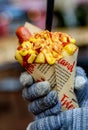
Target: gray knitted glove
{"points": [[46, 107]]}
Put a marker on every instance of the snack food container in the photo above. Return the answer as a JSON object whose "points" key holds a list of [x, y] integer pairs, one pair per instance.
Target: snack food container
{"points": [[60, 75]]}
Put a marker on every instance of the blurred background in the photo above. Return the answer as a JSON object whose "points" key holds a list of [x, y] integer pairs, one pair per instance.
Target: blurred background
{"points": [[70, 16]]}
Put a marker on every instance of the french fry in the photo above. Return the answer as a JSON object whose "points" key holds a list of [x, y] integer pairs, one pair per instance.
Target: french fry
{"points": [[40, 58]]}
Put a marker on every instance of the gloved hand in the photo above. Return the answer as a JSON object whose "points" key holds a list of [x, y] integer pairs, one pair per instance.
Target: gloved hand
{"points": [[46, 107]]}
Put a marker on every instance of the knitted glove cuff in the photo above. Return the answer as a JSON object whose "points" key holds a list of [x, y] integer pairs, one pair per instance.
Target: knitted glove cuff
{"points": [[75, 119]]}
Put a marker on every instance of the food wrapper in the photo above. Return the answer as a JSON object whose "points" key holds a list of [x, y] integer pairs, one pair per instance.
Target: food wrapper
{"points": [[60, 75]]}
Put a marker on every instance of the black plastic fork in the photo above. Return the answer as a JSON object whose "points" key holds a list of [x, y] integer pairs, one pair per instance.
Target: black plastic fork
{"points": [[49, 14]]}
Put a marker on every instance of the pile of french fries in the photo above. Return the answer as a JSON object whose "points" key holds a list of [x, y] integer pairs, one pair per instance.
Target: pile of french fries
{"points": [[43, 47]]}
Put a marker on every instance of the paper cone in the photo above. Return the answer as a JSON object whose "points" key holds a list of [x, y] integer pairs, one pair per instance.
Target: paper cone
{"points": [[42, 72], [60, 75], [65, 74]]}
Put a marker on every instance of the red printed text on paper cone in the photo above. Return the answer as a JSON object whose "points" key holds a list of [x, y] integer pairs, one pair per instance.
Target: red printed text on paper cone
{"points": [[66, 102], [30, 68], [68, 65]]}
